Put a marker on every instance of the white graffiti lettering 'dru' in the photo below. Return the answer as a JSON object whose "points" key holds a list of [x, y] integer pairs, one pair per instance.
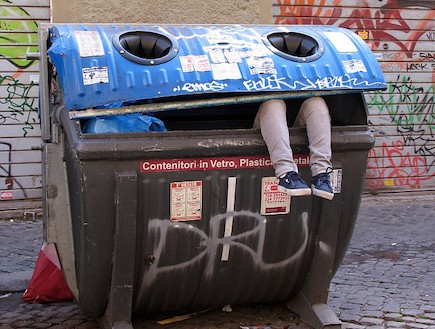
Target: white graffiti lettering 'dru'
{"points": [[201, 87], [210, 242], [334, 82]]}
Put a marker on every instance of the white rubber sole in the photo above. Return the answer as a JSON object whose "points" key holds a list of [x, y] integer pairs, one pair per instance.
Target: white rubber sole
{"points": [[295, 192], [322, 194]]}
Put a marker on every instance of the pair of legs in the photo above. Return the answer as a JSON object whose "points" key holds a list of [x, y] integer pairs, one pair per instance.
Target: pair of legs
{"points": [[314, 115]]}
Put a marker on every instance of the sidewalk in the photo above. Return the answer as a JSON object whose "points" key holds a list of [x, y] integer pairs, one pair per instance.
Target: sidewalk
{"points": [[386, 280]]}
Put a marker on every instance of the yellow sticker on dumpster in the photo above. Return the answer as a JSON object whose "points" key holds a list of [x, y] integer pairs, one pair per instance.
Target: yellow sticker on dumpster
{"points": [[186, 200], [273, 202]]}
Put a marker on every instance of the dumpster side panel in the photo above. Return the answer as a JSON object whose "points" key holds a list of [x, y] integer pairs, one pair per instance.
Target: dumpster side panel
{"points": [[93, 228]]}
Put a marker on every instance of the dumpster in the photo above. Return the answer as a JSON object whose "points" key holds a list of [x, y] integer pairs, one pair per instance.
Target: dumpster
{"points": [[187, 216]]}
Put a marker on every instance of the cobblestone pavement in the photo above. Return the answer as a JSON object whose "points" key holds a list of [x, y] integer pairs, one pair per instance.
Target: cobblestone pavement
{"points": [[386, 280]]}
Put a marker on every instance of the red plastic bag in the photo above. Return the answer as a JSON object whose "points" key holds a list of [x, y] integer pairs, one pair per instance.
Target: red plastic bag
{"points": [[47, 283]]}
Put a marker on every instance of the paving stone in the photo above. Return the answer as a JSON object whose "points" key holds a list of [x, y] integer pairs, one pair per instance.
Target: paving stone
{"points": [[412, 312], [41, 325], [392, 316], [408, 319], [373, 314], [417, 326], [352, 326], [72, 323], [371, 321], [396, 324]]}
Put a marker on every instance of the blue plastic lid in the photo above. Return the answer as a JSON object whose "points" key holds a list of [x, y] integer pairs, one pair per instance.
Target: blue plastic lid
{"points": [[104, 64]]}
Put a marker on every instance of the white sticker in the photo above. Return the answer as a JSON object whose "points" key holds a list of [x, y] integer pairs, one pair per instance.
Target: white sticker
{"points": [[217, 55], [336, 178], [354, 65], [273, 202], [226, 71], [89, 43], [201, 63], [341, 42], [262, 65], [187, 63], [232, 55], [192, 63], [94, 75], [186, 200]]}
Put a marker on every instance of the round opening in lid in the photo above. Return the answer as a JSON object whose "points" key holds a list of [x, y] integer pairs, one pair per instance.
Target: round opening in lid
{"points": [[145, 47], [295, 46]]}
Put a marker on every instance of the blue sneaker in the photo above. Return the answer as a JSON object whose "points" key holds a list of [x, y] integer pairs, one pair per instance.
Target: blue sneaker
{"points": [[291, 184], [321, 185]]}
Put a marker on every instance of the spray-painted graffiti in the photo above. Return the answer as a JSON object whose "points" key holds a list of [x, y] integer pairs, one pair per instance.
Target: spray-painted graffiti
{"points": [[208, 248], [204, 87], [381, 23], [19, 102], [16, 44], [402, 33], [411, 109], [334, 82], [392, 165], [6, 167]]}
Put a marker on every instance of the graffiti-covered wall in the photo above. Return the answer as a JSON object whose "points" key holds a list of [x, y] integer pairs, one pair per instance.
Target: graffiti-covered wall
{"points": [[20, 157], [402, 35]]}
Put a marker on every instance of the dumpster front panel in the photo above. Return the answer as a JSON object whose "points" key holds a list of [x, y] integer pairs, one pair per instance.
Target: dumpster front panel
{"points": [[210, 229], [197, 259]]}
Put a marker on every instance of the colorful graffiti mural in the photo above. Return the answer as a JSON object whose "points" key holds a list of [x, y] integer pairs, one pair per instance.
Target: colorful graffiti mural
{"points": [[11, 32], [402, 117]]}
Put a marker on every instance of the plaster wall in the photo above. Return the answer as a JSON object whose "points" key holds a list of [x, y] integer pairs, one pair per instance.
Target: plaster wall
{"points": [[159, 11]]}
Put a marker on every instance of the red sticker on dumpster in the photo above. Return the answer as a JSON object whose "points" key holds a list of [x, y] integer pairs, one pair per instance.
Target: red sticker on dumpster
{"points": [[218, 163], [273, 202]]}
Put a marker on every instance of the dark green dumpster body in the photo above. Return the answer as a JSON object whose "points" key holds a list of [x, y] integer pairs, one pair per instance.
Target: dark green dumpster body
{"points": [[189, 218]]}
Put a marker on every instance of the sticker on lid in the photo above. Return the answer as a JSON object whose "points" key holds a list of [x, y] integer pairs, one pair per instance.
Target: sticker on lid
{"points": [[261, 65], [186, 200], [89, 43], [94, 75], [354, 65], [192, 63], [226, 71]]}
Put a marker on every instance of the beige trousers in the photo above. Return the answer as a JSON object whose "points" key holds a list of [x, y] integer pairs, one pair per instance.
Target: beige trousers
{"points": [[314, 115]]}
